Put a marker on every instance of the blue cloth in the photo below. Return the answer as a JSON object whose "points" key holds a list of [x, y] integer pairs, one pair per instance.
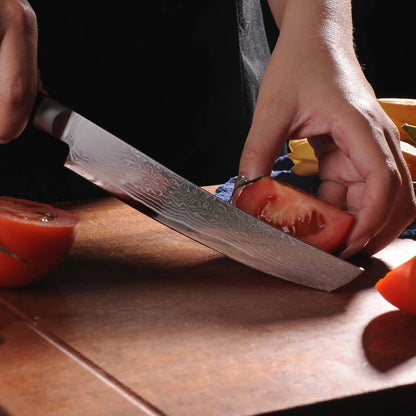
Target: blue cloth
{"points": [[281, 170]]}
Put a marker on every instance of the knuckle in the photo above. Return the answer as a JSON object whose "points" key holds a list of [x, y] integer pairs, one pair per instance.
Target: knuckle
{"points": [[407, 204], [10, 127], [391, 172], [14, 94], [8, 134], [250, 154], [396, 178], [412, 207], [15, 107], [21, 15]]}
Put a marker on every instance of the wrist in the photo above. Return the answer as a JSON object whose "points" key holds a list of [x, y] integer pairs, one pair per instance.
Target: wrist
{"points": [[320, 24]]}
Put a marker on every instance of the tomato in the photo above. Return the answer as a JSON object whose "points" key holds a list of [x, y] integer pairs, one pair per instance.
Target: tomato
{"points": [[296, 212], [399, 286], [34, 240]]}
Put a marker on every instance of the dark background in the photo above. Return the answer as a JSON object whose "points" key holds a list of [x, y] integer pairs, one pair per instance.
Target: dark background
{"points": [[164, 75]]}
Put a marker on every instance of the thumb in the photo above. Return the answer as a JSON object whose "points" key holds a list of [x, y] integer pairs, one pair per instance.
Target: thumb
{"points": [[265, 140]]}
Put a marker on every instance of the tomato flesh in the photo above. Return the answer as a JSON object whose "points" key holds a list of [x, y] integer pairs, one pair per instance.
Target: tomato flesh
{"points": [[297, 213], [399, 286], [300, 224], [40, 237]]}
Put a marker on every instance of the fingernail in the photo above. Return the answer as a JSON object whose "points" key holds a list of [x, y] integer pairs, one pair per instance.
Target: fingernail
{"points": [[355, 247], [240, 181]]}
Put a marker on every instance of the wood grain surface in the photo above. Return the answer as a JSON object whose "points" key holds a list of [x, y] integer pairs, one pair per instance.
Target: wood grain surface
{"points": [[142, 320]]}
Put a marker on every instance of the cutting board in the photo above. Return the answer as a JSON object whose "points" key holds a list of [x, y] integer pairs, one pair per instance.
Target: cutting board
{"points": [[142, 320]]}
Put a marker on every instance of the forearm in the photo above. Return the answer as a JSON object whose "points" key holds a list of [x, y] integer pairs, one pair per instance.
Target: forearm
{"points": [[324, 24]]}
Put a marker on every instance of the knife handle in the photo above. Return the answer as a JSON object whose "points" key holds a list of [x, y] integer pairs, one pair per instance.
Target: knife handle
{"points": [[49, 115]]}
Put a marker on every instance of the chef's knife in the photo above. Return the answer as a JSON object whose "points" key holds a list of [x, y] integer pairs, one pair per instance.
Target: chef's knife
{"points": [[151, 188]]}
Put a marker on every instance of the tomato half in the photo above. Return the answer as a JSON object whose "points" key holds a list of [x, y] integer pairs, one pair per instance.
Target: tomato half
{"points": [[399, 286], [34, 239], [296, 212]]}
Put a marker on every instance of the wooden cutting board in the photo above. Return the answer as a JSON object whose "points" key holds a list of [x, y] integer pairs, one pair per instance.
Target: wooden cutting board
{"points": [[142, 320]]}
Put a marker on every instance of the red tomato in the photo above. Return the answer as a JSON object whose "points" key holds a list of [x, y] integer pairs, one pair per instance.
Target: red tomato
{"points": [[297, 213], [39, 237], [399, 286]]}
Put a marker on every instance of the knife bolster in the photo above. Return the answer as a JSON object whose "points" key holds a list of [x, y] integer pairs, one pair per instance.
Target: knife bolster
{"points": [[51, 116]]}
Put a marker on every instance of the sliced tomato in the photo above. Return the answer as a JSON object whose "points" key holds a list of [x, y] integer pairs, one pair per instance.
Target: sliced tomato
{"points": [[296, 212], [399, 286], [34, 240]]}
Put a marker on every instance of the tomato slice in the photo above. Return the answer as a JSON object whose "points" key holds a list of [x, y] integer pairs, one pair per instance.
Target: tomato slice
{"points": [[399, 286], [35, 238], [296, 212]]}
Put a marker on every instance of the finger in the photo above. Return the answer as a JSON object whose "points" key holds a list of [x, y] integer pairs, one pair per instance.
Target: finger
{"points": [[266, 138], [331, 189], [371, 195], [18, 70], [403, 210], [333, 193], [402, 214]]}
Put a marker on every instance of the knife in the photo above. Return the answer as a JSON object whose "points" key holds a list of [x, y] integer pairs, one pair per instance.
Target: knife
{"points": [[156, 191]]}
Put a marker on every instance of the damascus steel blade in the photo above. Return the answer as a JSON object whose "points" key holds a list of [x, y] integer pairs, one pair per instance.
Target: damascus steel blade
{"points": [[151, 188]]}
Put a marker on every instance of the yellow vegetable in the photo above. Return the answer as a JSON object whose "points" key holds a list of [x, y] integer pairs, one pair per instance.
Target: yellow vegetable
{"points": [[303, 157], [401, 111]]}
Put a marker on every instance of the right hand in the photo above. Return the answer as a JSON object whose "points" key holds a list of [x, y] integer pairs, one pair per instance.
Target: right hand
{"points": [[19, 74]]}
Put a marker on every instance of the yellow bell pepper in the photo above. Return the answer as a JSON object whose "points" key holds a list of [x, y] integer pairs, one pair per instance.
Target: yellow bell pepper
{"points": [[303, 158], [401, 111]]}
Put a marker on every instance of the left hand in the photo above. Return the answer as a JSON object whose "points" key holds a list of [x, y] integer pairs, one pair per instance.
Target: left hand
{"points": [[314, 87]]}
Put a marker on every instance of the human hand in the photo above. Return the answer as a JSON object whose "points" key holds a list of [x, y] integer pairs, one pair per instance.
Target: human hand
{"points": [[314, 87], [19, 75]]}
